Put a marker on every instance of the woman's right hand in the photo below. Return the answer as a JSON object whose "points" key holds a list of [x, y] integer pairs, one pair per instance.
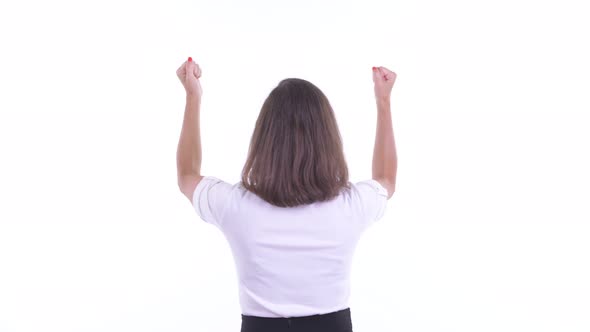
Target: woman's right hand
{"points": [[383, 79]]}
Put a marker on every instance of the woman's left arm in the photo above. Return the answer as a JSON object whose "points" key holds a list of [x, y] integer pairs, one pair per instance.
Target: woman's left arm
{"points": [[188, 154]]}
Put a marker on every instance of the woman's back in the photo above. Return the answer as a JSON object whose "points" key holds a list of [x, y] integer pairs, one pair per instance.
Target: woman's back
{"points": [[291, 261], [294, 219]]}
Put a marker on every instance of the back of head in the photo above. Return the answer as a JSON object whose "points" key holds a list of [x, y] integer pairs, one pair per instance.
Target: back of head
{"points": [[295, 155]]}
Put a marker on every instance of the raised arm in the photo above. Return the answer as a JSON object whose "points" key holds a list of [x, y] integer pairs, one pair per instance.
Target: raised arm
{"points": [[188, 154], [384, 153]]}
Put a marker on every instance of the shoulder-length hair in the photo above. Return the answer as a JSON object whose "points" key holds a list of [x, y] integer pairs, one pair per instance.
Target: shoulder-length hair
{"points": [[295, 155]]}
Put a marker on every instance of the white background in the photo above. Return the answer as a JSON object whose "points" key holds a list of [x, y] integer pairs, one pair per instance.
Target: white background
{"points": [[487, 231]]}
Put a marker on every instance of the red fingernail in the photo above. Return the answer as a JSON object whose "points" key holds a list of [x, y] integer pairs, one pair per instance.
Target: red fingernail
{"points": [[374, 68], [190, 59]]}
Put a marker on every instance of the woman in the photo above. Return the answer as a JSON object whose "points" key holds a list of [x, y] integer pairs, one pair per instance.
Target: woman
{"points": [[294, 219]]}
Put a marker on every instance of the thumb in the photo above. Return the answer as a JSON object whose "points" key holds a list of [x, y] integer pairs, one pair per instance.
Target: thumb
{"points": [[377, 77], [189, 67]]}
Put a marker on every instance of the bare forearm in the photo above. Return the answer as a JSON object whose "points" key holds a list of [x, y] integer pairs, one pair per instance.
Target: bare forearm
{"points": [[384, 153], [188, 154]]}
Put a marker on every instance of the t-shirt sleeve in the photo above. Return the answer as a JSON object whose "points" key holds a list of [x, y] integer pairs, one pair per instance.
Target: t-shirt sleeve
{"points": [[373, 200], [210, 199]]}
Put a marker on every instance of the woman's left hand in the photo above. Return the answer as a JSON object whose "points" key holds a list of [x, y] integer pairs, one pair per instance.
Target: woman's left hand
{"points": [[189, 74]]}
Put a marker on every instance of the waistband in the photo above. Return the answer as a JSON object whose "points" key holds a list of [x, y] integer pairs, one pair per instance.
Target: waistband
{"points": [[334, 321], [335, 314]]}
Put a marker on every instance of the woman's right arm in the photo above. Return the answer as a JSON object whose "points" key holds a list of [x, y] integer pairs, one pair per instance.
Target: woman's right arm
{"points": [[384, 153]]}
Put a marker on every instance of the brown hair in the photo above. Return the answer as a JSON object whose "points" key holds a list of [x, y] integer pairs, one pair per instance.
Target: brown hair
{"points": [[295, 155]]}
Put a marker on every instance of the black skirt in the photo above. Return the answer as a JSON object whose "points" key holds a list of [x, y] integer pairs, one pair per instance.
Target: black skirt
{"points": [[338, 321]]}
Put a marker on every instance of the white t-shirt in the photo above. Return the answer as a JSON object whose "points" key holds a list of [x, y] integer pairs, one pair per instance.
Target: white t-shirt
{"points": [[292, 261]]}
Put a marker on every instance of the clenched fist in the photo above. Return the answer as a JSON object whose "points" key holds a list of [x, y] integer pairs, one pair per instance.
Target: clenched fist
{"points": [[189, 74], [383, 79]]}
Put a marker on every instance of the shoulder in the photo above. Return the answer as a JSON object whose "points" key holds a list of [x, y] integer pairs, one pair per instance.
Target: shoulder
{"points": [[211, 197], [214, 184], [189, 184], [369, 197], [381, 187], [370, 186]]}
